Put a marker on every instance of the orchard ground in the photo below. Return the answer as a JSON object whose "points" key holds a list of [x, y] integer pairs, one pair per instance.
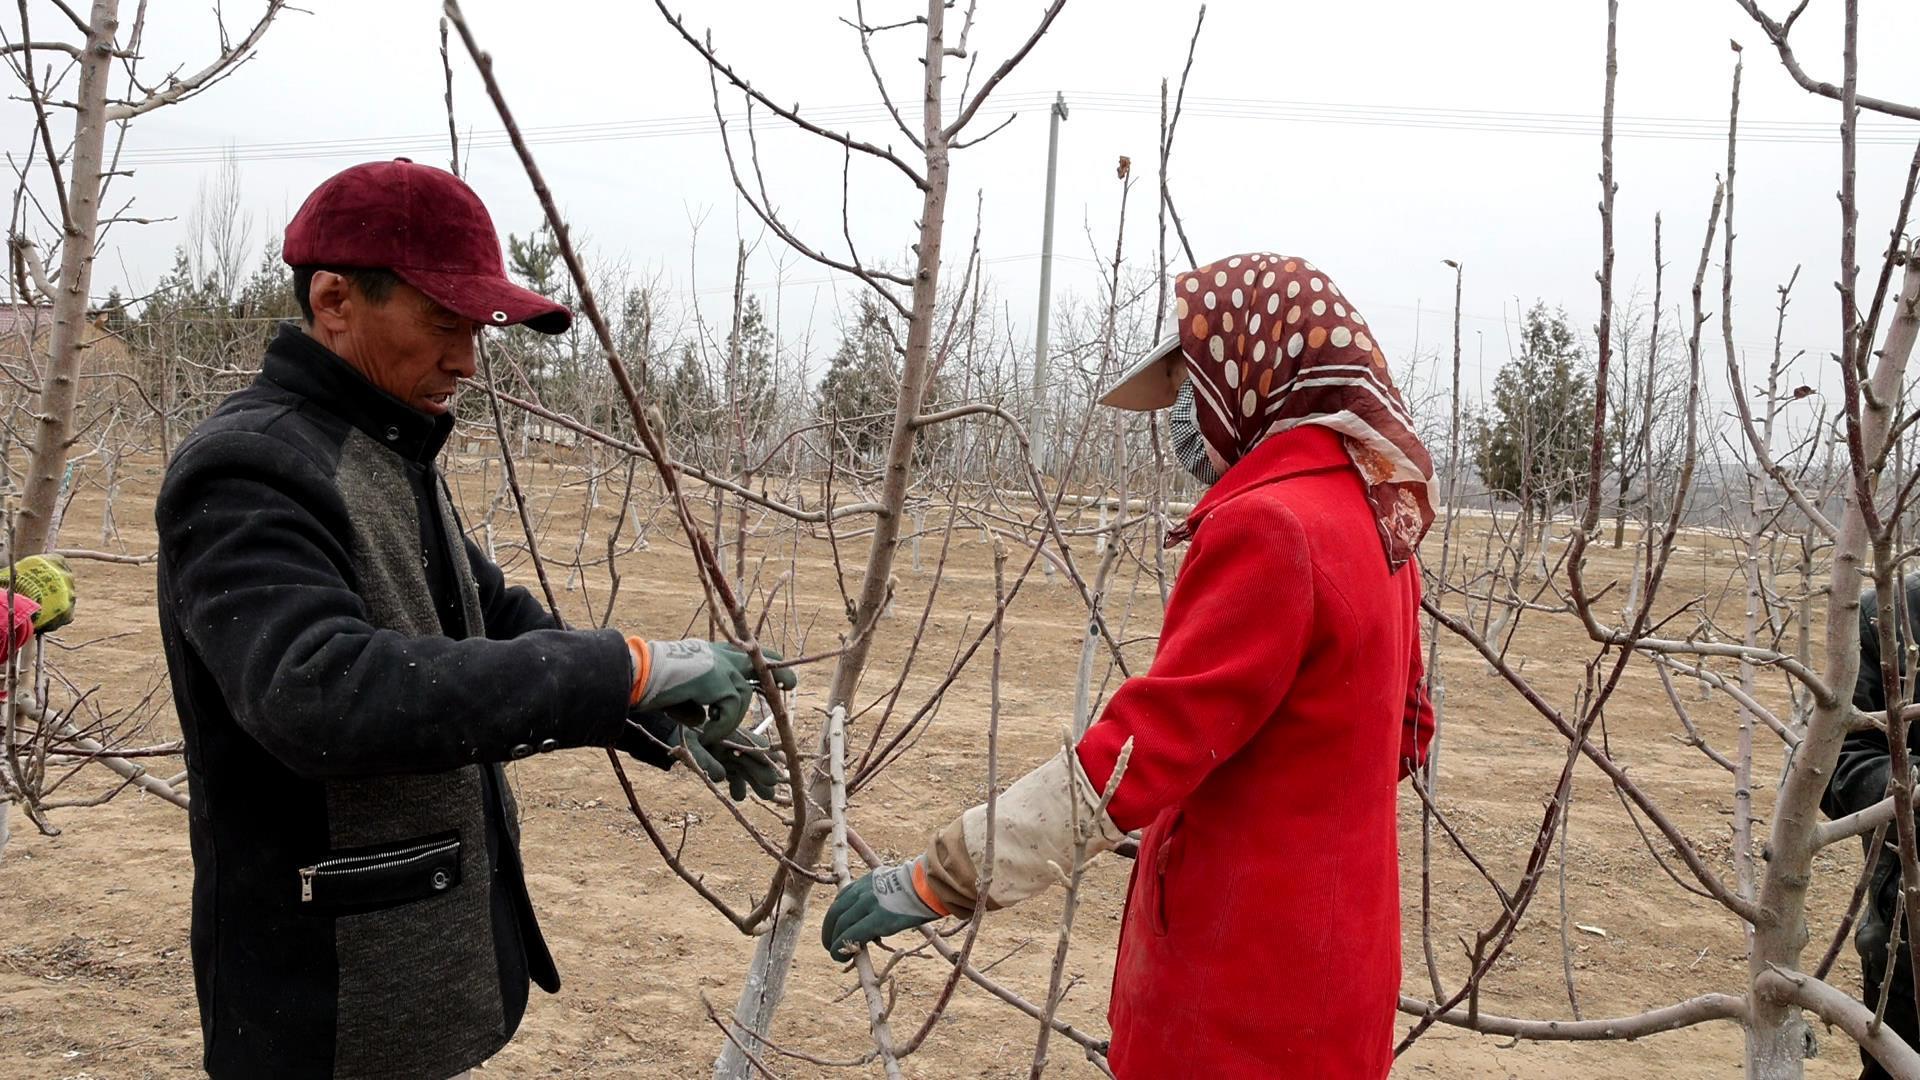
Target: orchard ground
{"points": [[95, 978]]}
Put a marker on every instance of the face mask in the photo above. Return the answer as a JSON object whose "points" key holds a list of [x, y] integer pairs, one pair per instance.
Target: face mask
{"points": [[1189, 446]]}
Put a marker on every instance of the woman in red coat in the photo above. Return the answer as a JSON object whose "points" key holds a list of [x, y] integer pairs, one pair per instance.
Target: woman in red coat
{"points": [[1285, 703]]}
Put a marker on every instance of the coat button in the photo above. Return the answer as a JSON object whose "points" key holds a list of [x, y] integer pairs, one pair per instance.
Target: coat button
{"points": [[520, 751], [548, 746], [392, 433], [441, 880]]}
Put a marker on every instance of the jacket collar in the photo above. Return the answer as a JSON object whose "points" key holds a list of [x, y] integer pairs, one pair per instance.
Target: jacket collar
{"points": [[300, 365], [1309, 448]]}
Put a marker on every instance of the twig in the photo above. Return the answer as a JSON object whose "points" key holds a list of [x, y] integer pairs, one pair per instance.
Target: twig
{"points": [[1083, 832], [862, 960]]}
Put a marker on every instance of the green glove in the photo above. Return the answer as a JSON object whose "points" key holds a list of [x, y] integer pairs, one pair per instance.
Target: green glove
{"points": [[653, 735], [884, 902], [650, 737], [47, 580], [749, 763], [688, 739], [712, 674], [741, 759]]}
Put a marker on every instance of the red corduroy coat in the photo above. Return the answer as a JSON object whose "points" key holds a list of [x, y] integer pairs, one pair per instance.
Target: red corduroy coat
{"points": [[1262, 932]]}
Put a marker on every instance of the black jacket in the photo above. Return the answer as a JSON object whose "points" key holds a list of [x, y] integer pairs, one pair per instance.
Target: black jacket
{"points": [[1860, 776], [1859, 781], [349, 673]]}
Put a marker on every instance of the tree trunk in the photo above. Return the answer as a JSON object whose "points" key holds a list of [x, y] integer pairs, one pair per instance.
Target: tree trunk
{"points": [[1776, 1041], [60, 381], [773, 952]]}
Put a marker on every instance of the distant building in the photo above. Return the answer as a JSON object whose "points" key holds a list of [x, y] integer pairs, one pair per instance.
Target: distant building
{"points": [[25, 329]]}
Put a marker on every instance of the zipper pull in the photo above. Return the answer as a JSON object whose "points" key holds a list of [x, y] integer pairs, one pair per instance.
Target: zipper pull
{"points": [[306, 883]]}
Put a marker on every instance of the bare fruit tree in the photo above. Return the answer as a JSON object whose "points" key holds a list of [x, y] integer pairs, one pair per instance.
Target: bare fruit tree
{"points": [[1820, 511], [87, 80], [61, 191], [697, 428], [925, 429]]}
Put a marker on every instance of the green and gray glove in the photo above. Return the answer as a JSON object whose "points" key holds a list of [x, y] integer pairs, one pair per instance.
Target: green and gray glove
{"points": [[740, 759], [881, 903], [749, 763], [651, 736], [711, 674]]}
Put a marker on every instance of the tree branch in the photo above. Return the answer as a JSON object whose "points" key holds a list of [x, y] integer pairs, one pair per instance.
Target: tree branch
{"points": [[1778, 32], [966, 114], [40, 46], [1860, 821], [1787, 986], [178, 89], [1687, 1013], [790, 115]]}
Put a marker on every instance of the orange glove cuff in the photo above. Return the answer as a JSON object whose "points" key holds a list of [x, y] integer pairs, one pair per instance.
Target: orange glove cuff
{"points": [[925, 891], [642, 667]]}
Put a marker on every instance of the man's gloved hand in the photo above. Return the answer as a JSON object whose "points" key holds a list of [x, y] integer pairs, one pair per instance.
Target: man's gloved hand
{"points": [[741, 759], [648, 737], [712, 674], [688, 739], [749, 763], [47, 580], [884, 902]]}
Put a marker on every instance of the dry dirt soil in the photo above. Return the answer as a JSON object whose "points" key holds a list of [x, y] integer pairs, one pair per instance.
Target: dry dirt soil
{"points": [[95, 979]]}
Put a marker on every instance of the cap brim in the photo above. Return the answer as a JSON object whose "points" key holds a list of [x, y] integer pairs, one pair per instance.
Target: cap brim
{"points": [[489, 300], [1153, 382]]}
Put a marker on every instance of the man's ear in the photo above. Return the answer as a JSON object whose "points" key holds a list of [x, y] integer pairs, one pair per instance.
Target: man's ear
{"points": [[330, 296]]}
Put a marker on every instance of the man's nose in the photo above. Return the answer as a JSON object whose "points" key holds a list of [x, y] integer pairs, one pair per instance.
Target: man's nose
{"points": [[460, 358]]}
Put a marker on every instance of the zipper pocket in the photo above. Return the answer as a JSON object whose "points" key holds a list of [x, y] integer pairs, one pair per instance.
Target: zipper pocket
{"points": [[384, 876]]}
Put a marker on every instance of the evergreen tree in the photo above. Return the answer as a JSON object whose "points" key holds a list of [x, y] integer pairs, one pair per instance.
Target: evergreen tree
{"points": [[634, 336], [692, 407], [863, 380], [267, 296], [552, 362], [1534, 445], [113, 312], [749, 384]]}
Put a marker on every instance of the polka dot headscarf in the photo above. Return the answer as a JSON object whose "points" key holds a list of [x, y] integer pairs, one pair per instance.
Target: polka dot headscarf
{"points": [[1270, 344]]}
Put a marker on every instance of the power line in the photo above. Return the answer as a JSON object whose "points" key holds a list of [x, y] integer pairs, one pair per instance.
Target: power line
{"points": [[1507, 121], [1244, 109]]}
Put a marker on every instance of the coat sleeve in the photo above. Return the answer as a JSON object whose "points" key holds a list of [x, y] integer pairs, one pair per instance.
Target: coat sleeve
{"points": [[17, 610], [1416, 728], [1860, 775], [251, 536], [508, 610], [512, 610], [1236, 628]]}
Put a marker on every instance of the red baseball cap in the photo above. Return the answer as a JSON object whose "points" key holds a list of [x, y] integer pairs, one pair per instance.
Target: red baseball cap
{"points": [[429, 228]]}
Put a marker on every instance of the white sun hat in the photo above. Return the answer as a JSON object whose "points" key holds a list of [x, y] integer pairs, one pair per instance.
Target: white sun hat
{"points": [[1153, 381]]}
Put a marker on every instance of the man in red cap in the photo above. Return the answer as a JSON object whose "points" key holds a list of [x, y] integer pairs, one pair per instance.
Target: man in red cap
{"points": [[350, 673]]}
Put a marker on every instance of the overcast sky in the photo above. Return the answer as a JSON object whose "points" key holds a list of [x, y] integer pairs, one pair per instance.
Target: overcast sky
{"points": [[1375, 137]]}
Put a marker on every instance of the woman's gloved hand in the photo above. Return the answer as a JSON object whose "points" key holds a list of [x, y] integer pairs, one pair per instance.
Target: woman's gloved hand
{"points": [[48, 581], [883, 902]]}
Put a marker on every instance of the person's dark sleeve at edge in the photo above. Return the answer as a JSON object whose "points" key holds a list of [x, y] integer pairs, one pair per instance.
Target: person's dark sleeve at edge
{"points": [[1860, 775]]}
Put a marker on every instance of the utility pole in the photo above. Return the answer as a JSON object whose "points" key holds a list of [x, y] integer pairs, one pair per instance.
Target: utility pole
{"points": [[1037, 415]]}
